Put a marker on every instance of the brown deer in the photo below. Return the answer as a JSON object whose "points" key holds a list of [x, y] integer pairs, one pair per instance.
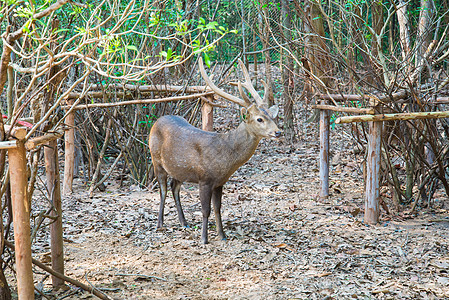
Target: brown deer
{"points": [[189, 154]]}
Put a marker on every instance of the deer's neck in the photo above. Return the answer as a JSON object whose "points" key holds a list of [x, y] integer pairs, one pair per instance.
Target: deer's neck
{"points": [[242, 144]]}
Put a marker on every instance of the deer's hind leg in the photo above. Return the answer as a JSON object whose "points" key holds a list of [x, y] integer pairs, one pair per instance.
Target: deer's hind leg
{"points": [[205, 198], [176, 187], [162, 179], [216, 201]]}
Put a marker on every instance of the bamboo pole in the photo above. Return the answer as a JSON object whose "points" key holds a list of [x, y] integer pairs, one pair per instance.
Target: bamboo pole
{"points": [[344, 109], [127, 88], [69, 153], [54, 189], [373, 173], [8, 145], [391, 117], [338, 97], [155, 88], [382, 98], [21, 216], [139, 101], [207, 115], [324, 153]]}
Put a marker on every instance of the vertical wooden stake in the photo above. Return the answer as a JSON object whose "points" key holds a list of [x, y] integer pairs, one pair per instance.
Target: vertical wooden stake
{"points": [[207, 116], [324, 153], [54, 189], [69, 164], [21, 217], [373, 173]]}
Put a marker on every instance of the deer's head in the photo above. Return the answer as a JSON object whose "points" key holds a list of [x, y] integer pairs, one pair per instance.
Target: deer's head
{"points": [[256, 114]]}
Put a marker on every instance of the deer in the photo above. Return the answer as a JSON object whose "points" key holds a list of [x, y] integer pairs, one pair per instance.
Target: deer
{"points": [[188, 154]]}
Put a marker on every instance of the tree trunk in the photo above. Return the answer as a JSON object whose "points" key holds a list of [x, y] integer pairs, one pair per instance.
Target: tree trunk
{"points": [[404, 34], [377, 16], [287, 75], [264, 24], [316, 50], [424, 29], [54, 190]]}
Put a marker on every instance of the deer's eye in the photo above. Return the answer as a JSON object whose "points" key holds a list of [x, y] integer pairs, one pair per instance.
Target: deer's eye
{"points": [[260, 120]]}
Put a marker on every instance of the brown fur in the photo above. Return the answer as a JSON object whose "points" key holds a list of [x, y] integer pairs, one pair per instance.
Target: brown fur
{"points": [[186, 153]]}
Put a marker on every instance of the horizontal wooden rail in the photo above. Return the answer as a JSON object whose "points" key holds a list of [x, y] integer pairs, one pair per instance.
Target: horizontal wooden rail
{"points": [[440, 100], [338, 97], [16, 133], [121, 90], [157, 88], [32, 143], [39, 140], [138, 101], [392, 117], [371, 97], [344, 109], [8, 145], [381, 98]]}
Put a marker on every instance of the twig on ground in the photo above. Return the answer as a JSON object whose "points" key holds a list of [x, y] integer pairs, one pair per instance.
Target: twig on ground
{"points": [[142, 275], [85, 287]]}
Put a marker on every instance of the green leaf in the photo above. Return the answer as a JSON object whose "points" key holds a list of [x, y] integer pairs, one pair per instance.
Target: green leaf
{"points": [[212, 25], [132, 47], [169, 53], [207, 60]]}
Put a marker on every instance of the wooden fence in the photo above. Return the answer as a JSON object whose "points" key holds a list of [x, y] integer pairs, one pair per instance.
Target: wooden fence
{"points": [[375, 120], [17, 147]]}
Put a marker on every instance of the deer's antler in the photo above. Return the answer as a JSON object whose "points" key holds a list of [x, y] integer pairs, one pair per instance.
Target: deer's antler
{"points": [[248, 85], [245, 102]]}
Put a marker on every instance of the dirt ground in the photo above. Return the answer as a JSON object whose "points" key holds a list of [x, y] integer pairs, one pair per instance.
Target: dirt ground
{"points": [[283, 241]]}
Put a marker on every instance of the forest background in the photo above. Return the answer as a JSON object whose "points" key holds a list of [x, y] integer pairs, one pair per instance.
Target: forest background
{"points": [[58, 54]]}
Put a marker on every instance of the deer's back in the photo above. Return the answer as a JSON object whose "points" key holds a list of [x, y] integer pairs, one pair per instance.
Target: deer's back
{"points": [[188, 153]]}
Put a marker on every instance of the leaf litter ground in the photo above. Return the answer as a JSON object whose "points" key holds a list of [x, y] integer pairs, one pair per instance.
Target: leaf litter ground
{"points": [[283, 241]]}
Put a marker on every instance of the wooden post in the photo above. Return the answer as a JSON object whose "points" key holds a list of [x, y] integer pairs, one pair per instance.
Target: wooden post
{"points": [[69, 155], [373, 173], [324, 152], [21, 217], [54, 189], [207, 115]]}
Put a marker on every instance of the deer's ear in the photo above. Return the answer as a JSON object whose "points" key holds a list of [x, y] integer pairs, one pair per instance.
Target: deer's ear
{"points": [[244, 113], [274, 110]]}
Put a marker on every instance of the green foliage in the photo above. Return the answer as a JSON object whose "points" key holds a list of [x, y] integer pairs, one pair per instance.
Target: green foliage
{"points": [[149, 119], [116, 37]]}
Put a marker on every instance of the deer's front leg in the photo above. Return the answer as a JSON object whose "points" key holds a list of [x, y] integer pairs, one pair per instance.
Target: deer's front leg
{"points": [[205, 198]]}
